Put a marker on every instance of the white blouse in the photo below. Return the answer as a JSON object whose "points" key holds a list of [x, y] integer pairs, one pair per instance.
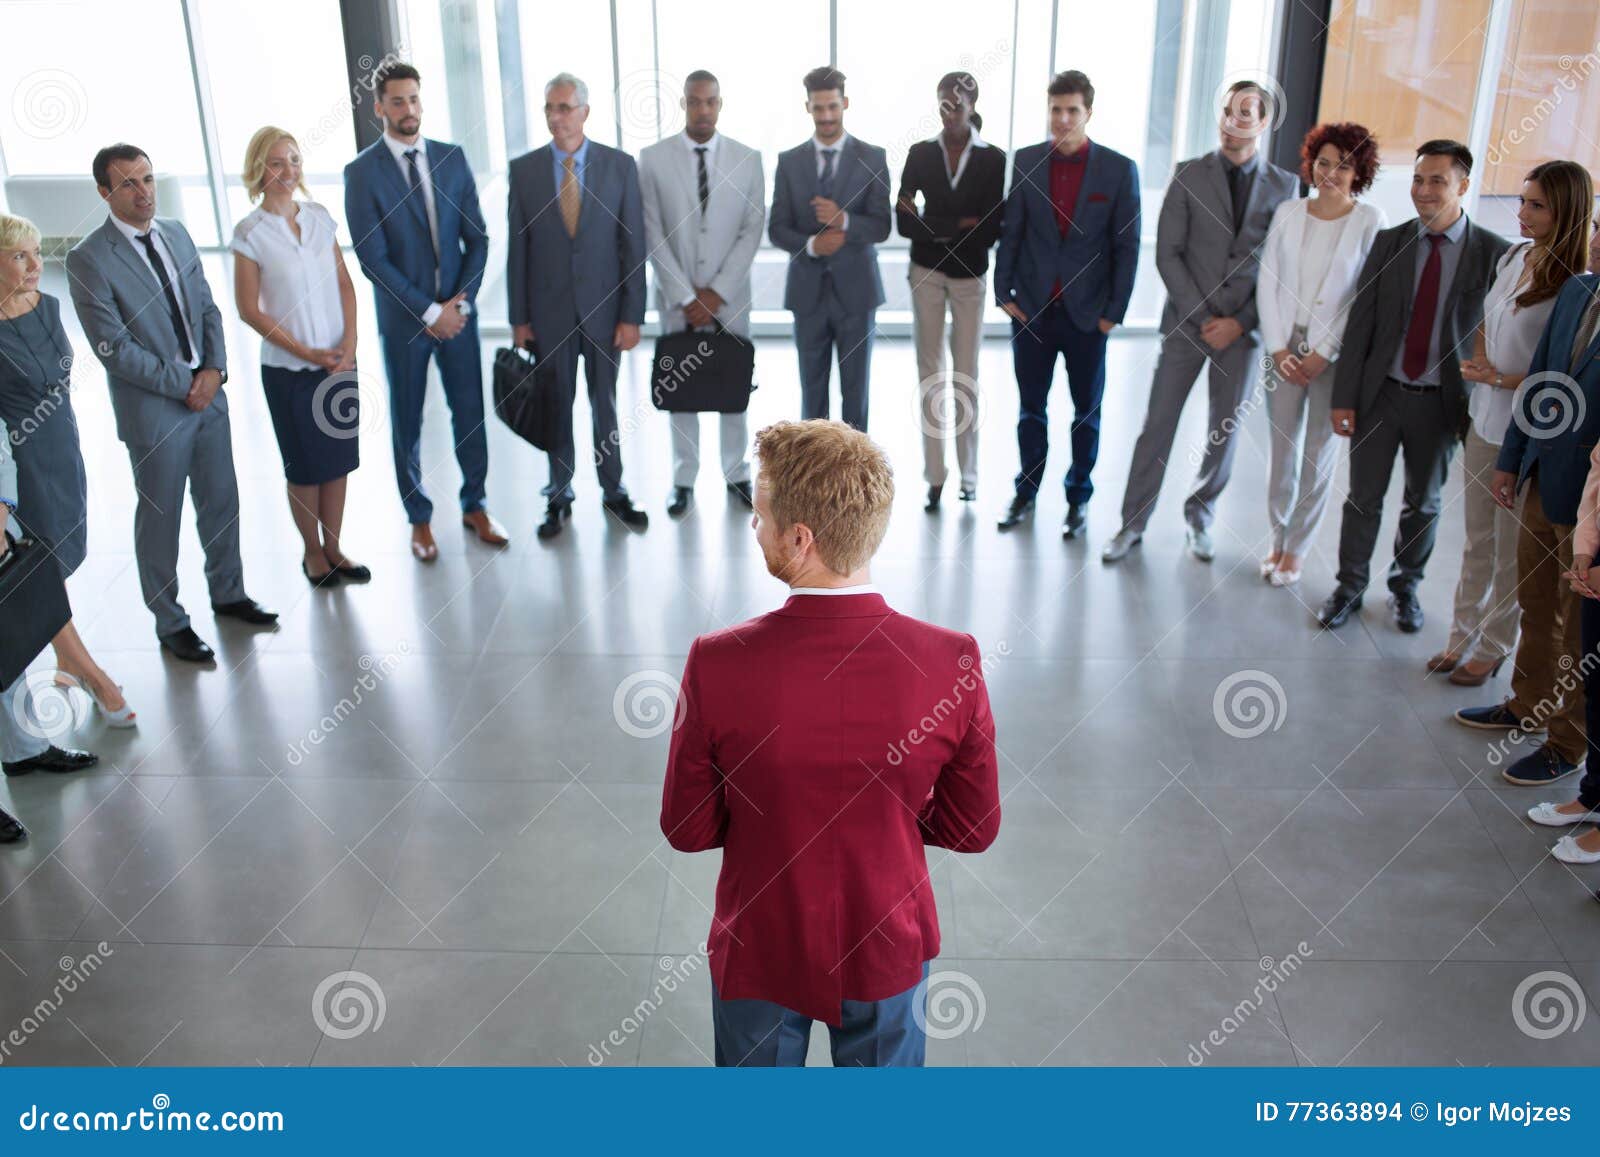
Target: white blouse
{"points": [[1316, 255], [299, 279], [1510, 335]]}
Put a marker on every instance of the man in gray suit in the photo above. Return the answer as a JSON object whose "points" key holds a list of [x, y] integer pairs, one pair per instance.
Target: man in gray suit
{"points": [[143, 301], [575, 279], [830, 207], [1398, 388], [704, 203], [1212, 224]]}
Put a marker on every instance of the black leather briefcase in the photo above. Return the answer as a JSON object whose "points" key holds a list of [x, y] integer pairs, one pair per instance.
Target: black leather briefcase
{"points": [[703, 371], [527, 396], [33, 605]]}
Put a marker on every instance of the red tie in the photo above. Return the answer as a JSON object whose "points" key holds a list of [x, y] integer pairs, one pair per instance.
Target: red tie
{"points": [[1420, 332]]}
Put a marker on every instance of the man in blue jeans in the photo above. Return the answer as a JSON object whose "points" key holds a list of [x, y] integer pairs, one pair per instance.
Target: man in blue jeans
{"points": [[1064, 272]]}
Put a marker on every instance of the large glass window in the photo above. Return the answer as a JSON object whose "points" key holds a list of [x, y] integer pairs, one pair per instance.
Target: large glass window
{"points": [[1548, 104]]}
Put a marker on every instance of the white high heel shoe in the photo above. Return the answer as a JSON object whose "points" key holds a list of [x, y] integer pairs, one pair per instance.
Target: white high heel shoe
{"points": [[123, 718]]}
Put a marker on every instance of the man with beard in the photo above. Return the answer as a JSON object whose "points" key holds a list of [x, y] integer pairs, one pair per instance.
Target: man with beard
{"points": [[821, 746]]}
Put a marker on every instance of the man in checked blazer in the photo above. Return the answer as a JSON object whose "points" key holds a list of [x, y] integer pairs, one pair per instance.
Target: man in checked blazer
{"points": [[1213, 221], [830, 208], [704, 205], [575, 279], [143, 301]]}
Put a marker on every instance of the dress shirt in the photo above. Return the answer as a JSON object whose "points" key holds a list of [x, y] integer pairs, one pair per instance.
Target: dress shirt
{"points": [[1066, 180], [299, 280], [838, 156], [1241, 180], [171, 262], [424, 173], [1510, 336], [580, 158], [973, 142], [1449, 258], [863, 589]]}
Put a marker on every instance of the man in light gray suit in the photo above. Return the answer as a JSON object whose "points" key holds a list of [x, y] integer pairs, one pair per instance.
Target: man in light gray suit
{"points": [[704, 204], [1213, 221], [143, 301], [830, 208], [575, 279]]}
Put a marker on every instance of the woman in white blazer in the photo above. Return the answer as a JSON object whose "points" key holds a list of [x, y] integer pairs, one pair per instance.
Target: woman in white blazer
{"points": [[1310, 264]]}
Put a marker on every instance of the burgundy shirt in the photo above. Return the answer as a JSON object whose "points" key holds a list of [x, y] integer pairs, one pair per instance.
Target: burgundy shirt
{"points": [[1066, 180]]}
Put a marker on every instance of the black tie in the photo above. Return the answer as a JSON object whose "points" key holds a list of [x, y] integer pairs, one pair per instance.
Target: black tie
{"points": [[700, 177], [173, 309], [1239, 191], [825, 182], [414, 181], [413, 176]]}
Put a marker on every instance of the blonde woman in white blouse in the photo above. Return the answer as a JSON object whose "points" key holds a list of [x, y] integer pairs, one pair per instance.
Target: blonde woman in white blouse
{"points": [[1310, 263], [291, 286]]}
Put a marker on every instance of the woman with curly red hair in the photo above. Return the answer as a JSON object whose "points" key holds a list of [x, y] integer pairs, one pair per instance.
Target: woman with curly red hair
{"points": [[1310, 261]]}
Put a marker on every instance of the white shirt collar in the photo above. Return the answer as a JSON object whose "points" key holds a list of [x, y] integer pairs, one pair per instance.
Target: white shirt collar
{"points": [[398, 149], [838, 144], [129, 231], [974, 141], [709, 146], [863, 589]]}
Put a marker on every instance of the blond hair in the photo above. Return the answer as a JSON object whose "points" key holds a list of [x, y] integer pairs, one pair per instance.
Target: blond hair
{"points": [[832, 478], [255, 159], [17, 233]]}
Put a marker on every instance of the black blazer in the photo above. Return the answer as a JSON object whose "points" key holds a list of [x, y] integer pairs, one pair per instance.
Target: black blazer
{"points": [[936, 242], [1382, 309]]}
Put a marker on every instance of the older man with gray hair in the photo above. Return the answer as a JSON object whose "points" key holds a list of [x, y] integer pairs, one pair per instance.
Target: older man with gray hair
{"points": [[575, 278]]}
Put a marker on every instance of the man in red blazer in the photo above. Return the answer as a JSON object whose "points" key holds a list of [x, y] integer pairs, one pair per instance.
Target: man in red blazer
{"points": [[821, 746]]}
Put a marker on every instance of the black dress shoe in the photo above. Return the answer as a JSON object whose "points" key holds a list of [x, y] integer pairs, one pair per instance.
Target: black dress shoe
{"points": [[626, 512], [1340, 606], [10, 829], [246, 611], [188, 646], [969, 494], [742, 491], [1021, 508], [554, 515], [53, 759], [933, 499], [1077, 519], [682, 496], [1407, 611], [328, 578], [353, 573]]}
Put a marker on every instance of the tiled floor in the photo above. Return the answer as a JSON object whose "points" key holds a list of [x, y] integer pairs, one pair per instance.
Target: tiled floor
{"points": [[430, 781]]}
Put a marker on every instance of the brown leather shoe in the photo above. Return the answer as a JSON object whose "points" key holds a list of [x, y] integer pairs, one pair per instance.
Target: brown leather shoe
{"points": [[1473, 674], [423, 548], [1442, 662], [481, 523]]}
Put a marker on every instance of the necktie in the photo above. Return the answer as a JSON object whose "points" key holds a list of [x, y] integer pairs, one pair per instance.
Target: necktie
{"points": [[1238, 194], [570, 195], [700, 177], [1586, 333], [414, 184], [1419, 332], [825, 182], [173, 309]]}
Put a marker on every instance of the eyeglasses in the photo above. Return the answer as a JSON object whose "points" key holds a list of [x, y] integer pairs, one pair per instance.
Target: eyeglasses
{"points": [[562, 109]]}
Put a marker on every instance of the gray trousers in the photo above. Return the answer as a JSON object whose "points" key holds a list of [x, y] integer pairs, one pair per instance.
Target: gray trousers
{"points": [[734, 430], [16, 743], [1415, 426], [817, 334], [1232, 376], [198, 454], [1304, 457]]}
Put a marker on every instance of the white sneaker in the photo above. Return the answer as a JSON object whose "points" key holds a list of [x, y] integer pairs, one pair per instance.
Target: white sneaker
{"points": [[1547, 815], [1568, 852], [1200, 545], [1121, 543]]}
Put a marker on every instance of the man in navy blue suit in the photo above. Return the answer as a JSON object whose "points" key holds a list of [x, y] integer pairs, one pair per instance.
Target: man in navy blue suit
{"points": [[1064, 272], [830, 209], [412, 206], [575, 278]]}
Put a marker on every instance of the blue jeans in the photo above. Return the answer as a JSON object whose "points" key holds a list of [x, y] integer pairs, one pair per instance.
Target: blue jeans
{"points": [[1034, 348], [871, 1033]]}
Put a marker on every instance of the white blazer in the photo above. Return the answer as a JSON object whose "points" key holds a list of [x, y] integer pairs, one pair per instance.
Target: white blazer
{"points": [[714, 250], [1278, 286]]}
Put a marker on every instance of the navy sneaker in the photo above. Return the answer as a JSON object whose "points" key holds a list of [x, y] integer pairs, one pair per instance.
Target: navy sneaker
{"points": [[1541, 766], [1500, 717]]}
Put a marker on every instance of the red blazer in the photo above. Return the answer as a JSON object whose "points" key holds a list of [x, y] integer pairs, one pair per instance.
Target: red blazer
{"points": [[821, 746]]}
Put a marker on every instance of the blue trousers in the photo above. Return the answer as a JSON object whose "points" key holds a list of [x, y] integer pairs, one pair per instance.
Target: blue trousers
{"points": [[817, 334], [871, 1033], [405, 358], [1034, 348]]}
